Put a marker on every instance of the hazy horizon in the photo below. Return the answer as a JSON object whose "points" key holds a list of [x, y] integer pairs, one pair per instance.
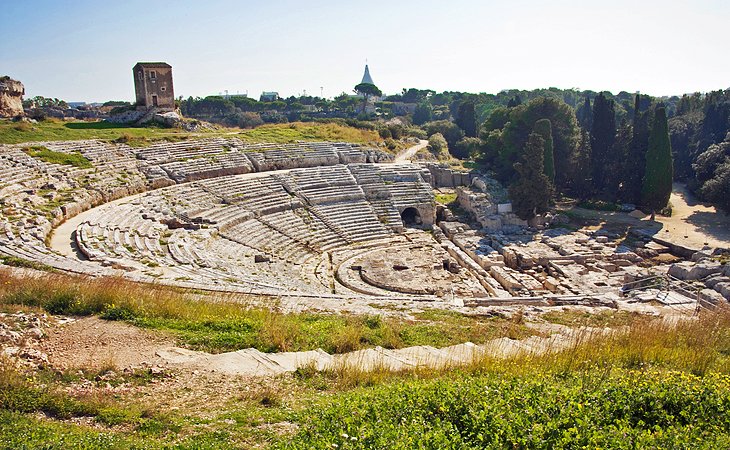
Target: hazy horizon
{"points": [[81, 51]]}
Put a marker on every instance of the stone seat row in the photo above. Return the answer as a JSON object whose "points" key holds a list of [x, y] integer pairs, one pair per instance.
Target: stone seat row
{"points": [[312, 232], [355, 219], [255, 234]]}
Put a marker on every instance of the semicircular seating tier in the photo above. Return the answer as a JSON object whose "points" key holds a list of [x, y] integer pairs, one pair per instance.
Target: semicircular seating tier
{"points": [[213, 213]]}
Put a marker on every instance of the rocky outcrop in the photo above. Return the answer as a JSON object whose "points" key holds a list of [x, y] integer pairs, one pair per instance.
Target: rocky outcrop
{"points": [[694, 271], [11, 97]]}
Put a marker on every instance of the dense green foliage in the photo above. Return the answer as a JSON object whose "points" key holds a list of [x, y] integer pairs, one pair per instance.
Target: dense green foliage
{"points": [[636, 154], [449, 130], [622, 409], [507, 131], [604, 158], [466, 118], [531, 193], [545, 129], [700, 134], [657, 183]]}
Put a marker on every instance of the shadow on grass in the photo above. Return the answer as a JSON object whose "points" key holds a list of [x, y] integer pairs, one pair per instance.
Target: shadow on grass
{"points": [[101, 125]]}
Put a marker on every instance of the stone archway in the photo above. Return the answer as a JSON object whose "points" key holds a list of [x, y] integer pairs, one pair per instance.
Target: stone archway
{"points": [[411, 217]]}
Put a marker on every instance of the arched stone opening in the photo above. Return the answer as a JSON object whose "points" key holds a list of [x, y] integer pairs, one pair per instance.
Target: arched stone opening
{"points": [[411, 217]]}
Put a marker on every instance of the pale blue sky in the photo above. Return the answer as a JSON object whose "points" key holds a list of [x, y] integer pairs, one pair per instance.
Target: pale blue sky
{"points": [[85, 50]]}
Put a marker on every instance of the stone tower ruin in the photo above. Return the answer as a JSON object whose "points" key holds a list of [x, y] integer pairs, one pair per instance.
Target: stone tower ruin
{"points": [[11, 97], [153, 85]]}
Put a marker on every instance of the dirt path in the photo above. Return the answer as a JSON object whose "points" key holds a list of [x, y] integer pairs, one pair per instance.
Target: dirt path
{"points": [[694, 223], [406, 155]]}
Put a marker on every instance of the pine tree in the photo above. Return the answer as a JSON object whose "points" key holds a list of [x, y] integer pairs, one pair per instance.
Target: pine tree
{"points": [[603, 161], [544, 128], [657, 186], [466, 118], [531, 193]]}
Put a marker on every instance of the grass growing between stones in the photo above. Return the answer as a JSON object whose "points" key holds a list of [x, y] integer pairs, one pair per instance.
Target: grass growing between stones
{"points": [[75, 159], [577, 318]]}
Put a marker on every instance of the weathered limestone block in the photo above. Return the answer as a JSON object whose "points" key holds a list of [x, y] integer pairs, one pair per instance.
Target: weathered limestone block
{"points": [[505, 278], [712, 280], [711, 296], [690, 271], [551, 284], [724, 289], [11, 97]]}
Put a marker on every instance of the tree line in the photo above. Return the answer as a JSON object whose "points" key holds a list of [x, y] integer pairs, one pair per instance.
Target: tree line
{"points": [[545, 146]]}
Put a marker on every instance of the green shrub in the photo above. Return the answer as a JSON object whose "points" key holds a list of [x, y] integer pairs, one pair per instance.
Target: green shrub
{"points": [[624, 409]]}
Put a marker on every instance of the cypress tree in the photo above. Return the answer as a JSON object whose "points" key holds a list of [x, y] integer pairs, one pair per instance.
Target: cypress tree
{"points": [[585, 118], [544, 128], [466, 118], [582, 183], [636, 158], [657, 185], [531, 193], [603, 160]]}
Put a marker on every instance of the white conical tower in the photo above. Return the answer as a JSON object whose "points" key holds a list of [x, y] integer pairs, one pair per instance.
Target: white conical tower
{"points": [[366, 78]]}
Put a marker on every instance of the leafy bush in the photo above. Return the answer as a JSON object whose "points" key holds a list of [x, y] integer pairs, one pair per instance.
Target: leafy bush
{"points": [[624, 409], [599, 205]]}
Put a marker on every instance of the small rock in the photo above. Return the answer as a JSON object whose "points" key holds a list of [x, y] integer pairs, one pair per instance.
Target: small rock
{"points": [[35, 332]]}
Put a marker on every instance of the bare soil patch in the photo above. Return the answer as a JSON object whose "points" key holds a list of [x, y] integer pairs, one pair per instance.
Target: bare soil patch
{"points": [[91, 342]]}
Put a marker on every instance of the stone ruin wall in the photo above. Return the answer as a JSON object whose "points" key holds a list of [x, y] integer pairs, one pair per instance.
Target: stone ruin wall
{"points": [[11, 97], [443, 176]]}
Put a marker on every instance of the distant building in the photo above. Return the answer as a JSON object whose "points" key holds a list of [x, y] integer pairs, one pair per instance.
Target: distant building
{"points": [[402, 109], [269, 96], [366, 78], [153, 85]]}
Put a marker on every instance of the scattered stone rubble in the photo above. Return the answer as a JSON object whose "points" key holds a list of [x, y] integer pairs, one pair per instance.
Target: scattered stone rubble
{"points": [[707, 272], [20, 336]]}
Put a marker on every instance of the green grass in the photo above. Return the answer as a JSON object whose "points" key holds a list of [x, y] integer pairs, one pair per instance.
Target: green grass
{"points": [[309, 131], [220, 324], [75, 159], [55, 130], [649, 384], [445, 199], [15, 261]]}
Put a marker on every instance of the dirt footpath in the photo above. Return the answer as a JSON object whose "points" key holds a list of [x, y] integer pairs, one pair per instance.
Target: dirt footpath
{"points": [[693, 223]]}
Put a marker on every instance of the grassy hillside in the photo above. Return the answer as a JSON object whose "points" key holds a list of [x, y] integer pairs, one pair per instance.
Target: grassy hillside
{"points": [[56, 130], [216, 326], [308, 131], [649, 384]]}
